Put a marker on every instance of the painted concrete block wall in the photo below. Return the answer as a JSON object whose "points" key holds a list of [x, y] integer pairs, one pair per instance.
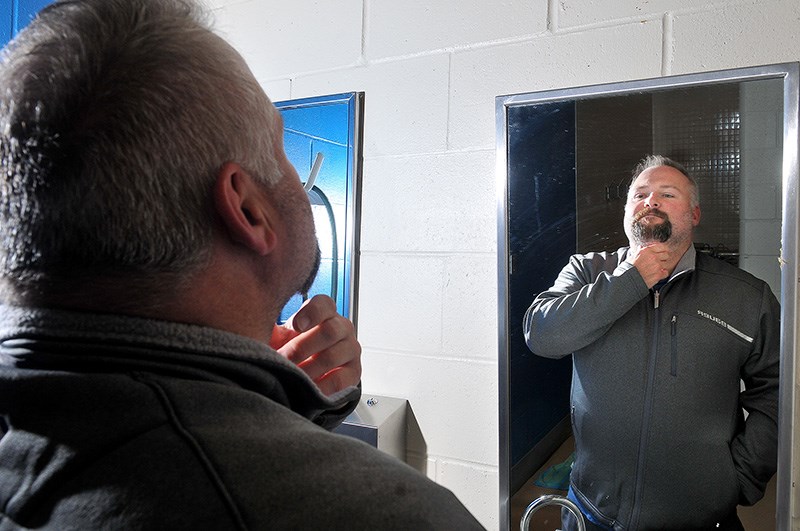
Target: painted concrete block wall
{"points": [[431, 70]]}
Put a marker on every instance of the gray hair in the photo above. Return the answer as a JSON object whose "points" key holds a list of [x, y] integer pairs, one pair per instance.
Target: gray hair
{"points": [[651, 161], [115, 117]]}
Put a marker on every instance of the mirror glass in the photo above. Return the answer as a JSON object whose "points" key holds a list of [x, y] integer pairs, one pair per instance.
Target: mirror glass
{"points": [[564, 163], [322, 139]]}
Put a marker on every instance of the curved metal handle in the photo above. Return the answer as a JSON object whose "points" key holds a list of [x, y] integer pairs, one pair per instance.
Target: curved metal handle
{"points": [[551, 499]]}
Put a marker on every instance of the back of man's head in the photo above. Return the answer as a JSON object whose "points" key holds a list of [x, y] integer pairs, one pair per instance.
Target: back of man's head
{"points": [[115, 116]]}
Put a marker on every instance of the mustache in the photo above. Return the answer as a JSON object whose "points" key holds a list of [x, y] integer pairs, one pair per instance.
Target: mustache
{"points": [[649, 211]]}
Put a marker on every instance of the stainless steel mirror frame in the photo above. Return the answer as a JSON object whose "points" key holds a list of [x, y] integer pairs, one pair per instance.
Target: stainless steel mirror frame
{"points": [[786, 505], [786, 497]]}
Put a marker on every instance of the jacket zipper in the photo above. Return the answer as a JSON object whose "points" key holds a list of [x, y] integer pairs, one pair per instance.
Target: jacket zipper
{"points": [[673, 326], [646, 413]]}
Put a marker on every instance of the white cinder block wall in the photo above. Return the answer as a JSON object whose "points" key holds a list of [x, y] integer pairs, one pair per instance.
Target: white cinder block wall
{"points": [[431, 70]]}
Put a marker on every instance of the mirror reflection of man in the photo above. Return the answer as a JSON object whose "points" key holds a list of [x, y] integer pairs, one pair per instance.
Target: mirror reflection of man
{"points": [[151, 230], [660, 337]]}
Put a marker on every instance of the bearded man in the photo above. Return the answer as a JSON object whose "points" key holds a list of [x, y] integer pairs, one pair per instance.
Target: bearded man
{"points": [[661, 338]]}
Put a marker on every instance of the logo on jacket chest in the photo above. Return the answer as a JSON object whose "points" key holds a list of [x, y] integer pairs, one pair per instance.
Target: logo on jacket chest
{"points": [[712, 318], [723, 324]]}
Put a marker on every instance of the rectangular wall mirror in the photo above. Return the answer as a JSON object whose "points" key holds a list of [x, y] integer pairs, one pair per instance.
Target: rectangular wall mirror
{"points": [[564, 160], [322, 138]]}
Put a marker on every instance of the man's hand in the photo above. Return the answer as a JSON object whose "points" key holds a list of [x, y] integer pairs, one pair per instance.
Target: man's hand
{"points": [[322, 343], [654, 262]]}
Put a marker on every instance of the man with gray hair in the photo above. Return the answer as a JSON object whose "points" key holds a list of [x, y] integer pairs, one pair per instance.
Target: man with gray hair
{"points": [[660, 337], [151, 230]]}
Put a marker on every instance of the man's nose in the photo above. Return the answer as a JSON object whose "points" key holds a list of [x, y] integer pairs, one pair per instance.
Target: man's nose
{"points": [[651, 201]]}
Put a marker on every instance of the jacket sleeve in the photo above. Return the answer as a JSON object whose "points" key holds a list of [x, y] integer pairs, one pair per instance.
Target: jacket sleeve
{"points": [[754, 449], [590, 294], [346, 400]]}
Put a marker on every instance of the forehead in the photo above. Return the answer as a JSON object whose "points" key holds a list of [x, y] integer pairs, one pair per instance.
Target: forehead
{"points": [[660, 177]]}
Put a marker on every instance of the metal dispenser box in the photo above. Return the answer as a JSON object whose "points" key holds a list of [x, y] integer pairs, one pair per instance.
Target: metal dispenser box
{"points": [[379, 421]]}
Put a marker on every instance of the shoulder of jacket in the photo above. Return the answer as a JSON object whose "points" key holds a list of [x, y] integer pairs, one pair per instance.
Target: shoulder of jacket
{"points": [[714, 266], [600, 259]]}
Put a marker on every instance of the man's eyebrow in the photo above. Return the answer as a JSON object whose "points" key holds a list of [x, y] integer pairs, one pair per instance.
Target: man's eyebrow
{"points": [[660, 187]]}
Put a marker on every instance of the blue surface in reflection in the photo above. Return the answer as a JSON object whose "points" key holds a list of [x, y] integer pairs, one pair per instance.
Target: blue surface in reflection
{"points": [[325, 125], [16, 14], [5, 24], [25, 10]]}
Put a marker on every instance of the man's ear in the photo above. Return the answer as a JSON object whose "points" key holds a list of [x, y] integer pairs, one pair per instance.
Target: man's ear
{"points": [[696, 216], [240, 203]]}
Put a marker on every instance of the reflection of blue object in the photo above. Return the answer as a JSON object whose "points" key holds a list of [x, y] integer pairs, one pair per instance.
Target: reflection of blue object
{"points": [[329, 125], [329, 266], [26, 10], [314, 171], [16, 14], [556, 476], [6, 24], [317, 197]]}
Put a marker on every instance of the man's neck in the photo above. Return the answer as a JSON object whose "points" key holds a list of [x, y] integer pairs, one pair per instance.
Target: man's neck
{"points": [[677, 250]]}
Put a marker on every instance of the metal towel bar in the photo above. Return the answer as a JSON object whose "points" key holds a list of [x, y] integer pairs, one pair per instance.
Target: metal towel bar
{"points": [[551, 499]]}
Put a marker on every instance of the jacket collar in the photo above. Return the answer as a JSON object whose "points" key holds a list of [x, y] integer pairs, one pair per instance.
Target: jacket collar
{"points": [[46, 339], [686, 264]]}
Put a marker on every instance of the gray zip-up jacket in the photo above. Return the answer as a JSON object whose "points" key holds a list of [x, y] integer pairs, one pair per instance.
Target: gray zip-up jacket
{"points": [[657, 407], [112, 422]]}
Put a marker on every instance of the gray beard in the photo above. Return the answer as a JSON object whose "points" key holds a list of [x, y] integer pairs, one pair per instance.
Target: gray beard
{"points": [[306, 287], [644, 234]]}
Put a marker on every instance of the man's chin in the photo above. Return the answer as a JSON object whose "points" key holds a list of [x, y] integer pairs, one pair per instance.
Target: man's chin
{"points": [[309, 281], [649, 233]]}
